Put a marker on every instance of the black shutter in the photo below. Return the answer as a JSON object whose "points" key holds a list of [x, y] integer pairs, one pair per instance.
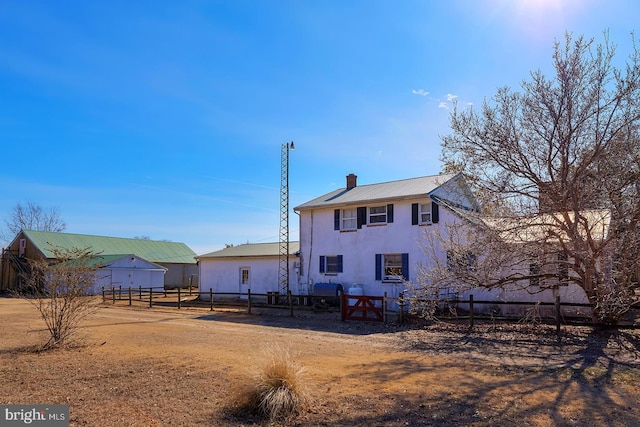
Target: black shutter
{"points": [[378, 266], [362, 216], [389, 213], [339, 263], [414, 214], [405, 266], [336, 219], [322, 263], [435, 212]]}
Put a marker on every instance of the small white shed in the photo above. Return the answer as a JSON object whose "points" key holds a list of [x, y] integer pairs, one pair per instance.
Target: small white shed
{"points": [[127, 270]]}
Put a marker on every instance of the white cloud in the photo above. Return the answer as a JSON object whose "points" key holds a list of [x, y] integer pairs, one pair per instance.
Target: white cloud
{"points": [[443, 105], [451, 97], [420, 92]]}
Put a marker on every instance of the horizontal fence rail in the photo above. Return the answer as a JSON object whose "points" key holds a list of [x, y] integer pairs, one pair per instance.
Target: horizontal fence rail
{"points": [[351, 307]]}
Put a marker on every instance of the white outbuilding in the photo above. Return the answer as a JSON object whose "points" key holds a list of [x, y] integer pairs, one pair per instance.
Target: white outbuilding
{"points": [[255, 266]]}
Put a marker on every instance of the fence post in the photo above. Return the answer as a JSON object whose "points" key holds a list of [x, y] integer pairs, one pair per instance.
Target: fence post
{"points": [[179, 299], [401, 306], [210, 299], [120, 292], [249, 300], [150, 297], [129, 295], [290, 303], [470, 311], [103, 299], [384, 308], [113, 295], [558, 315], [140, 292]]}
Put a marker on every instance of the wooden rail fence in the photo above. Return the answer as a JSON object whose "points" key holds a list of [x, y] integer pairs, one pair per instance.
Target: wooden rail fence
{"points": [[352, 307]]}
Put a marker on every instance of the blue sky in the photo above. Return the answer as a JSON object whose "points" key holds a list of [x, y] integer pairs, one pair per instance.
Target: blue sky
{"points": [[166, 119]]}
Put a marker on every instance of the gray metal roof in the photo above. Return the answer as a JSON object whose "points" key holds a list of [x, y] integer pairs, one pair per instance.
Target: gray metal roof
{"points": [[106, 260], [252, 250], [369, 193]]}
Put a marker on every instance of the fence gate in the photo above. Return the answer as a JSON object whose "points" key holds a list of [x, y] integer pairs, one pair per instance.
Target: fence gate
{"points": [[361, 307]]}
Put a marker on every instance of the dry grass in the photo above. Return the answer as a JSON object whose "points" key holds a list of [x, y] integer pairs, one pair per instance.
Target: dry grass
{"points": [[164, 367], [277, 388]]}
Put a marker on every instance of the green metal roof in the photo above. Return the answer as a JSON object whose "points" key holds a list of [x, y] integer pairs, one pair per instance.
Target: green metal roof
{"points": [[252, 250], [151, 250]]}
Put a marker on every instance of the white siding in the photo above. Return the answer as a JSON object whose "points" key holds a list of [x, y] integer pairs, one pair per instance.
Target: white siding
{"points": [[359, 247], [127, 272], [223, 275]]}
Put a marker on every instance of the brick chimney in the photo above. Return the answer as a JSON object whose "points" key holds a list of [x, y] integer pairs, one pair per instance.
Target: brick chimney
{"points": [[351, 181]]}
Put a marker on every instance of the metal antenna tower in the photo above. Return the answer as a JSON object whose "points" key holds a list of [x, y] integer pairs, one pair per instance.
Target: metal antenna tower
{"points": [[283, 259]]}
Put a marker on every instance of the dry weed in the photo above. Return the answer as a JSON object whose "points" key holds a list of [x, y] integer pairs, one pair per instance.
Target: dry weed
{"points": [[277, 388]]}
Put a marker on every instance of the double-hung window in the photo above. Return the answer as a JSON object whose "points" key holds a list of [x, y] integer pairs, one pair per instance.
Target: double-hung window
{"points": [[349, 219], [330, 264], [392, 267], [425, 213], [378, 214], [381, 214]]}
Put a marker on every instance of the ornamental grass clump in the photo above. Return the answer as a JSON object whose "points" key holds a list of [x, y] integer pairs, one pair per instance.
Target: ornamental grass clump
{"points": [[278, 387]]}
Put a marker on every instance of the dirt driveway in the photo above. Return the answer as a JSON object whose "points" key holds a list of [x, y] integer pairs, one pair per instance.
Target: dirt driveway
{"points": [[155, 367]]}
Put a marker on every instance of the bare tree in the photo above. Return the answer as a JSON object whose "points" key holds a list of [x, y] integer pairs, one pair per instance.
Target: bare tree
{"points": [[61, 292], [543, 158], [31, 216]]}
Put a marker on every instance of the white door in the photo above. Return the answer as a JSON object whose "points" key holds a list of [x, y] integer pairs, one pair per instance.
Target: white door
{"points": [[245, 281]]}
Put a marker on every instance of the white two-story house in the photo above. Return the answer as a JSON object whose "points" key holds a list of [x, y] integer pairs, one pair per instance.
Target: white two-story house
{"points": [[372, 236]]}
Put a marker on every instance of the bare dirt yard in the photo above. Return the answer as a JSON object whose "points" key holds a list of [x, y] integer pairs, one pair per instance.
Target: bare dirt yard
{"points": [[169, 367]]}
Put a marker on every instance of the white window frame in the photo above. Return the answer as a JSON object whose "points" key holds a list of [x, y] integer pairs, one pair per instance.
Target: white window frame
{"points": [[248, 275], [334, 264], [392, 277], [349, 219], [378, 215], [423, 210]]}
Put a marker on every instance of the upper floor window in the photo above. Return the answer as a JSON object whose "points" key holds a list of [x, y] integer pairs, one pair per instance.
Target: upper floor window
{"points": [[381, 214], [349, 219], [377, 214], [425, 213]]}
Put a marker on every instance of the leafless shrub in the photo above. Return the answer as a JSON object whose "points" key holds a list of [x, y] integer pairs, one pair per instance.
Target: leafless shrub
{"points": [[60, 292]]}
